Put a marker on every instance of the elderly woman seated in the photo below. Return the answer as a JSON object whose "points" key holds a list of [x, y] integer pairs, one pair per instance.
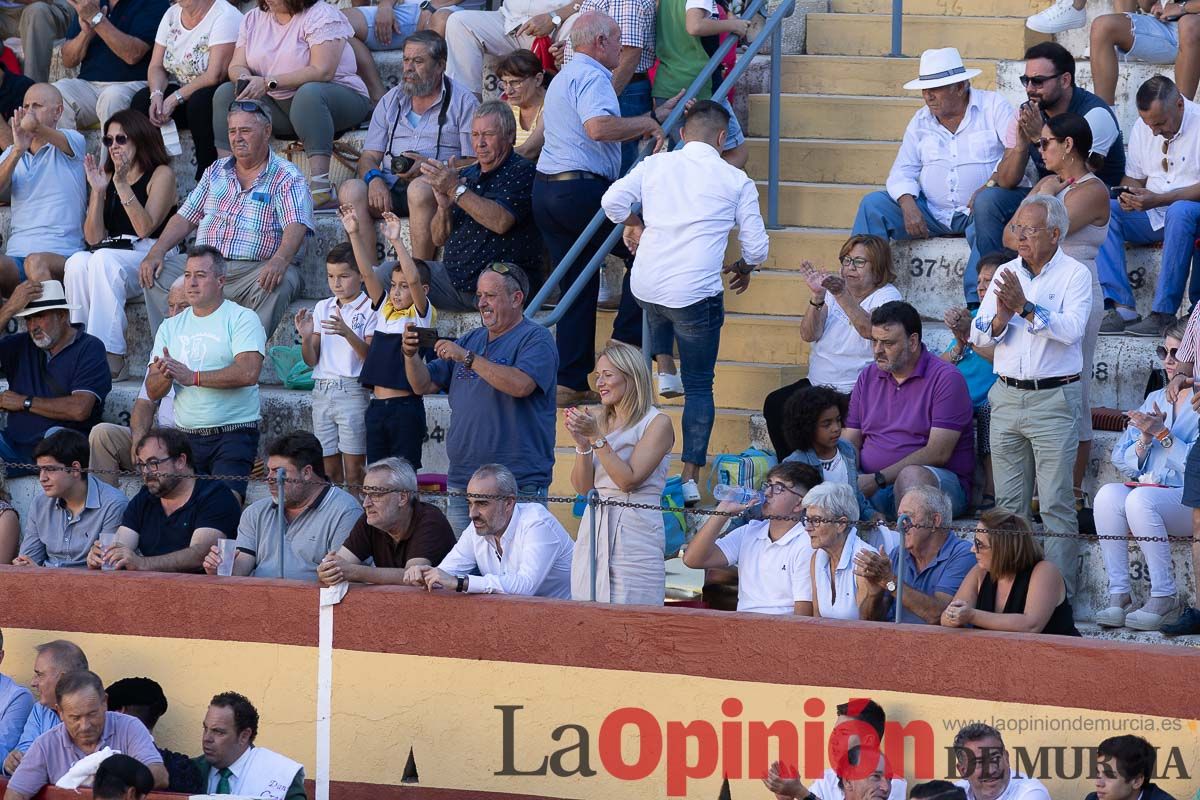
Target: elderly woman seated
{"points": [[830, 510], [1013, 587]]}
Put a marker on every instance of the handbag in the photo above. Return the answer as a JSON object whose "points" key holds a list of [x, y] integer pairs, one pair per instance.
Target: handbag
{"points": [[343, 164], [115, 243]]}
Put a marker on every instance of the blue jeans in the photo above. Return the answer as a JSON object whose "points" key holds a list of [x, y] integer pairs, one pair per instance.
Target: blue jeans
{"points": [[460, 517], [396, 427], [880, 215], [884, 500], [1178, 239], [634, 101], [230, 453], [697, 331], [993, 210]]}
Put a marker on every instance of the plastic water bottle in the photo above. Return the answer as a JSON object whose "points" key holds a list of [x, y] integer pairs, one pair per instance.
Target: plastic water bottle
{"points": [[743, 495]]}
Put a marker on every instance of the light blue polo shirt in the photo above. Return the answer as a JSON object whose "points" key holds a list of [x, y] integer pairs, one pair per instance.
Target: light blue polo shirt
{"points": [[49, 198], [947, 572], [581, 91], [15, 704]]}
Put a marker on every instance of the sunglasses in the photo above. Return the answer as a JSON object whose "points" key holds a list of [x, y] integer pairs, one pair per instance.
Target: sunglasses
{"points": [[1166, 165], [249, 106], [1163, 353], [1038, 80], [1042, 144], [120, 139]]}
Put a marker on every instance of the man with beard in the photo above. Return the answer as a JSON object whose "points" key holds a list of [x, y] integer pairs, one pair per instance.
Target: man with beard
{"points": [[175, 519], [910, 416], [426, 119], [57, 374], [982, 760]]}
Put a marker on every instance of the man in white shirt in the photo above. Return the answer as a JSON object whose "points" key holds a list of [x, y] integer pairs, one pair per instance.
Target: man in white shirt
{"points": [[982, 760], [950, 151], [231, 764], [691, 199], [1034, 314], [470, 35], [516, 548], [1161, 204], [773, 557], [843, 739]]}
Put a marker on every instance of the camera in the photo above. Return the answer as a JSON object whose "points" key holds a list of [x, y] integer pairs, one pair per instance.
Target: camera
{"points": [[401, 164]]}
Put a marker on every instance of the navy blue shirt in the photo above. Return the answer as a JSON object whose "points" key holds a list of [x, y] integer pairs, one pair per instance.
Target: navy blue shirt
{"points": [[491, 426], [80, 366], [138, 18], [471, 246], [950, 566], [12, 91], [211, 505], [1083, 101]]}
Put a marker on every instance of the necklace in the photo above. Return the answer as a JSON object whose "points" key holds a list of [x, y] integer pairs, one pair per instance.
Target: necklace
{"points": [[827, 464]]}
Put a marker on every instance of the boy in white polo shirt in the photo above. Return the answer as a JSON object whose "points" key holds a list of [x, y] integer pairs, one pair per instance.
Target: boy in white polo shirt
{"points": [[336, 352], [772, 556]]}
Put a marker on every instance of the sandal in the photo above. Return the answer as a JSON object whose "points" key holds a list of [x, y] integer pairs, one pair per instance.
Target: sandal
{"points": [[324, 196]]}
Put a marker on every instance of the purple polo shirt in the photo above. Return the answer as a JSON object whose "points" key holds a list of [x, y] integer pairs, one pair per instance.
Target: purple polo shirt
{"points": [[895, 418], [53, 753]]}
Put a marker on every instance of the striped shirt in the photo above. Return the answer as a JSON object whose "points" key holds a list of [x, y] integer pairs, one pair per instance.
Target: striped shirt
{"points": [[636, 20], [247, 224], [1189, 345]]}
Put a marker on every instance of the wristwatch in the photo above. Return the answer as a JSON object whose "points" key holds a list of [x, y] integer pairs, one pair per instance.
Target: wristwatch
{"points": [[1164, 438], [426, 5], [890, 586], [96, 19], [469, 360], [462, 584], [459, 191], [991, 184], [880, 481], [28, 404], [1027, 309], [557, 20], [600, 443], [272, 84]]}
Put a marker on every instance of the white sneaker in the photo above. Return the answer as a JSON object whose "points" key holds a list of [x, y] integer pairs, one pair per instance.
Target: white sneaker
{"points": [[607, 297], [1062, 16], [670, 385], [691, 493]]}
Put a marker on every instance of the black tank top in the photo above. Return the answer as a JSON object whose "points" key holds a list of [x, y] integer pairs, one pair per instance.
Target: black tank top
{"points": [[116, 220], [1062, 621]]}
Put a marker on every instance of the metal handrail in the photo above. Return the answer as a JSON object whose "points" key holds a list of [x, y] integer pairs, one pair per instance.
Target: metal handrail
{"points": [[771, 29], [897, 28]]}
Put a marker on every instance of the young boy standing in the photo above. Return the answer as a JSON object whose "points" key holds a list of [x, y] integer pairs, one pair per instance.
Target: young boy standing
{"points": [[336, 352], [395, 416]]}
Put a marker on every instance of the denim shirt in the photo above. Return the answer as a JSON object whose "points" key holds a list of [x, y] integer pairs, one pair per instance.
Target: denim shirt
{"points": [[1166, 464], [848, 454]]}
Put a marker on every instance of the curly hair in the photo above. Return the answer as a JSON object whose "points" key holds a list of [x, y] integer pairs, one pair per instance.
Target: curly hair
{"points": [[802, 410]]}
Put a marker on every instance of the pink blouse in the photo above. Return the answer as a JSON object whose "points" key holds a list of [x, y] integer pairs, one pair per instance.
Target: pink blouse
{"points": [[275, 49]]}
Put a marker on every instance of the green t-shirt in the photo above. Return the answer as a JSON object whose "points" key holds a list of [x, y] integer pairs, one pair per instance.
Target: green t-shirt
{"points": [[681, 56]]}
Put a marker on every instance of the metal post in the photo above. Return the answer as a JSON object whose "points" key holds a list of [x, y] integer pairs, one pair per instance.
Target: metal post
{"points": [[897, 27], [902, 522], [280, 520], [593, 499], [773, 142]]}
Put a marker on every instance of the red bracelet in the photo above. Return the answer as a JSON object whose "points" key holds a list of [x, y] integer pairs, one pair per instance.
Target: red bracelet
{"points": [[197, 378]]}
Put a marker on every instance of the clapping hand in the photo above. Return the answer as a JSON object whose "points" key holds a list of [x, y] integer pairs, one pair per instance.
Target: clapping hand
{"points": [[815, 279], [120, 161], [174, 369], [304, 323], [784, 781], [582, 426], [1009, 291], [1029, 121], [336, 325], [958, 320], [1151, 423], [97, 178], [24, 124]]}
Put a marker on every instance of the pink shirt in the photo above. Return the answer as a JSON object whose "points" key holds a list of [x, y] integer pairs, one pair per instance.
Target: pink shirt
{"points": [[275, 49]]}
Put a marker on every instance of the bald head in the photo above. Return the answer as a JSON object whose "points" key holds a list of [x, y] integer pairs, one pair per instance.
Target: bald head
{"points": [[596, 34], [45, 102], [177, 298]]}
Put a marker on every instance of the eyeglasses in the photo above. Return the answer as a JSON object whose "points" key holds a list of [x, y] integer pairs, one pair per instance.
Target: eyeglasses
{"points": [[151, 464], [980, 545], [119, 138], [1024, 231], [1163, 353], [858, 262], [375, 495], [249, 106], [511, 83], [772, 488], [1042, 144], [1038, 80]]}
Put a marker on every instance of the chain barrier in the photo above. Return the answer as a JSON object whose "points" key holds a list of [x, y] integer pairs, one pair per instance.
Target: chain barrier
{"points": [[596, 501]]}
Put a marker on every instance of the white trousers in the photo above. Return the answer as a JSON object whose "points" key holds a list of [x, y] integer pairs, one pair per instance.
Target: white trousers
{"points": [[89, 103], [99, 284], [472, 34], [1146, 512]]}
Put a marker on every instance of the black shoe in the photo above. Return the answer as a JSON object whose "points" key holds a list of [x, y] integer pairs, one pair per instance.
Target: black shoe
{"points": [[1153, 326], [1113, 323], [1187, 624]]}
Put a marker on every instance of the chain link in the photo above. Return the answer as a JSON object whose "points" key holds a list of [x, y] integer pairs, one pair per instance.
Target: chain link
{"points": [[599, 501]]}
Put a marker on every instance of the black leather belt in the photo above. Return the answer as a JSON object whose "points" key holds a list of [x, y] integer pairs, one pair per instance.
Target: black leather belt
{"points": [[639, 76], [1039, 383], [573, 175]]}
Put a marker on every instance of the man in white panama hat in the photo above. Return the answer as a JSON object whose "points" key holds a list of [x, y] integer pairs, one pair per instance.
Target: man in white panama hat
{"points": [[950, 149], [57, 374]]}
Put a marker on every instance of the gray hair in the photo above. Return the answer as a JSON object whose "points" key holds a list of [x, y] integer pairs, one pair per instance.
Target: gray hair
{"points": [[1056, 212], [504, 118], [506, 482], [431, 41], [836, 498], [67, 656], [591, 26], [208, 251], [976, 731], [400, 474], [933, 500]]}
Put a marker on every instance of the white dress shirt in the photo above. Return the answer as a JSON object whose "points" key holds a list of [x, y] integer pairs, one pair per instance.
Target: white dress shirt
{"points": [[772, 576], [1019, 788], [827, 787], [516, 13], [949, 167], [1052, 345], [691, 199], [1145, 159], [535, 559]]}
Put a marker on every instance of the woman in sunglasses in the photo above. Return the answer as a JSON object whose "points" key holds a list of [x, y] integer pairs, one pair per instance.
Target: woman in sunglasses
{"points": [[837, 321], [1066, 146], [132, 195], [1151, 456], [1013, 587]]}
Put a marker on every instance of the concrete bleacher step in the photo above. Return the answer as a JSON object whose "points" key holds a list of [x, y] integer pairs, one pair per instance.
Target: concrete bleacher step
{"points": [[744, 385], [864, 75], [947, 8], [760, 338], [770, 292], [791, 246], [871, 35], [817, 205], [825, 160], [834, 116]]}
